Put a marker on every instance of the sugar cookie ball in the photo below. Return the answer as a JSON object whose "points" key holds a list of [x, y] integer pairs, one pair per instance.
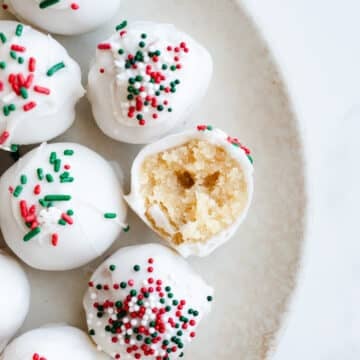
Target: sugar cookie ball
{"points": [[145, 302], [61, 206], [193, 188], [53, 342], [145, 80], [14, 297], [67, 17], [39, 86]]}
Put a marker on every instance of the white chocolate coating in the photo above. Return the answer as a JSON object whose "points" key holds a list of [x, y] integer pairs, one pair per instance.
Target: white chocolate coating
{"points": [[14, 297], [70, 232], [66, 17], [139, 120], [32, 93], [214, 136], [152, 272], [52, 342]]}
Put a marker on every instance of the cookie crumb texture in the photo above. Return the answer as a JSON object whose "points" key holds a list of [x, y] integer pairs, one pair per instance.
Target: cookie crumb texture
{"points": [[198, 187]]}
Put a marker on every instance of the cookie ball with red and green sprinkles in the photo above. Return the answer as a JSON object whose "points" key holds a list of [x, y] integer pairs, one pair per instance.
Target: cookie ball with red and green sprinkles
{"points": [[146, 79], [66, 17], [51, 342], [38, 89], [145, 302], [14, 297], [61, 206]]}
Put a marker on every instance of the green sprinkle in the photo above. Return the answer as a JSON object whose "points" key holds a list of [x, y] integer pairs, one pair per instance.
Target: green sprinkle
{"points": [[14, 148], [67, 180], [142, 44], [52, 157], [121, 51], [57, 197], [49, 178], [70, 212], [57, 165], [23, 179], [121, 26], [119, 304], [209, 298], [64, 175], [68, 152], [110, 216], [18, 191], [250, 158], [137, 268], [55, 69], [6, 110], [13, 55], [123, 285], [112, 267], [20, 60], [19, 30], [143, 36], [31, 234], [2, 65], [40, 173], [3, 38], [47, 3], [62, 222], [126, 229], [133, 292], [12, 107], [209, 127], [24, 93], [91, 332]]}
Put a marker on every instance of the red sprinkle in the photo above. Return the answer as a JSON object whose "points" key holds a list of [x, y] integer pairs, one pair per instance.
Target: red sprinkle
{"points": [[67, 218], [104, 46], [29, 106], [54, 239], [42, 90], [18, 48], [4, 136], [32, 64]]}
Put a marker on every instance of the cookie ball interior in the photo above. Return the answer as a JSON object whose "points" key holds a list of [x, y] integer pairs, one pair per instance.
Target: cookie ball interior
{"points": [[198, 186]]}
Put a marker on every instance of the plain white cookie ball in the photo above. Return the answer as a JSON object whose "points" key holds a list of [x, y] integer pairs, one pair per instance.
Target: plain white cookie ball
{"points": [[146, 80], [61, 206], [66, 17], [40, 85], [14, 297], [145, 302], [52, 342]]}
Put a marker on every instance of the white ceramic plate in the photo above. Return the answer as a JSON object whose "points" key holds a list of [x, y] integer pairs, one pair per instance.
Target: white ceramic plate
{"points": [[254, 273]]}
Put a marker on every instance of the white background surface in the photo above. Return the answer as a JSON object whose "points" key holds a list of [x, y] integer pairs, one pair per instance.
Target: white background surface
{"points": [[316, 44]]}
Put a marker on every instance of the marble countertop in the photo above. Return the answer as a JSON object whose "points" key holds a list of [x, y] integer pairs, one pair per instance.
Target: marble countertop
{"points": [[316, 46]]}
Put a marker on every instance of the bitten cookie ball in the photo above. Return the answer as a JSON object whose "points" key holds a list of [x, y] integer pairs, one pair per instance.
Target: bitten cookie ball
{"points": [[193, 188], [61, 206], [39, 86], [52, 342], [14, 297], [145, 81], [145, 302], [66, 17]]}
